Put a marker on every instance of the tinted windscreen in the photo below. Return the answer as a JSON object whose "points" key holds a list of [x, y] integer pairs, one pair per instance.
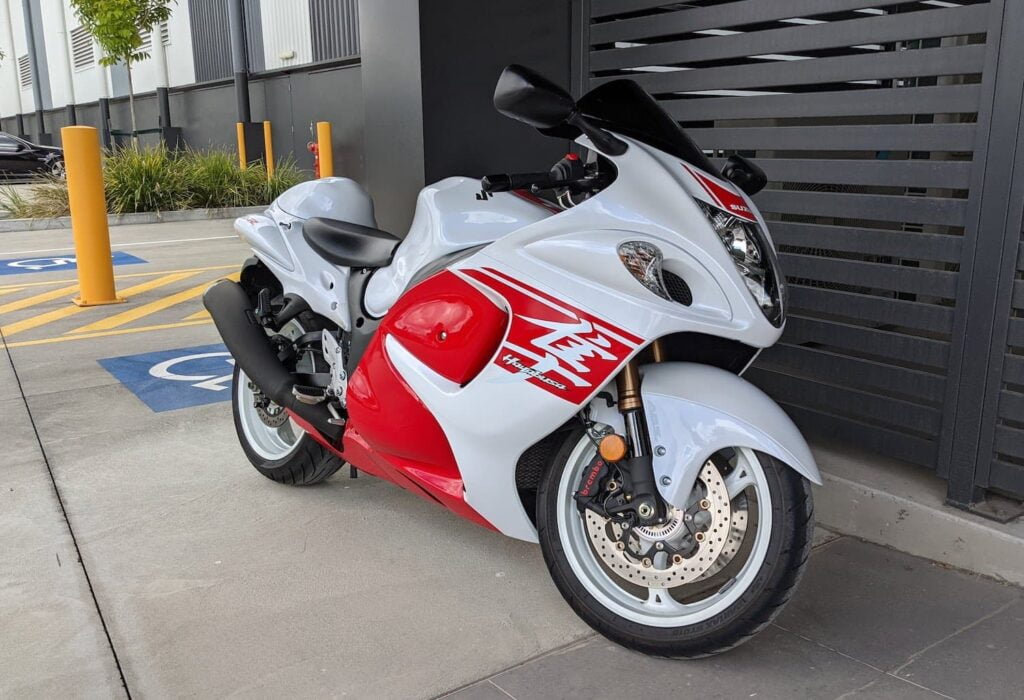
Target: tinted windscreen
{"points": [[624, 107]]}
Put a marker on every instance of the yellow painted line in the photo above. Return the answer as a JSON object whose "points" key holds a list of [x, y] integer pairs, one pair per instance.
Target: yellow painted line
{"points": [[9, 290], [71, 310], [24, 285], [111, 322], [38, 299], [119, 331], [201, 314]]}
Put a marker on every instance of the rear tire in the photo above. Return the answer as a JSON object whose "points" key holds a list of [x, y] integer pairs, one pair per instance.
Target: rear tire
{"points": [[768, 583], [305, 463]]}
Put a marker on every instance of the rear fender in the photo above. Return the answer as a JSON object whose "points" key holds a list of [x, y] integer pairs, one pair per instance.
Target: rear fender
{"points": [[695, 410]]}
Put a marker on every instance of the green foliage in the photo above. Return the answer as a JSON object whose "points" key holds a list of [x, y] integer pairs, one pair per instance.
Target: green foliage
{"points": [[118, 25], [47, 199], [149, 179], [156, 179]]}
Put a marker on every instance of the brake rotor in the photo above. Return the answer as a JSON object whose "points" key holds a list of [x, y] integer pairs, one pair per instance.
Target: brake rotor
{"points": [[607, 538]]}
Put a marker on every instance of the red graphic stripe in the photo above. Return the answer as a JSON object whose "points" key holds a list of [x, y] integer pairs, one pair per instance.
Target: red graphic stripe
{"points": [[625, 335]]}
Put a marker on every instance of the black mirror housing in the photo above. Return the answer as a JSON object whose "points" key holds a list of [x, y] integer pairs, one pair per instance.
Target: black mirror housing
{"points": [[529, 97], [744, 174]]}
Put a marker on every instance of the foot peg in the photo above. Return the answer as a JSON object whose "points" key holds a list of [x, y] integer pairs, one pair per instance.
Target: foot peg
{"points": [[336, 417], [309, 394]]}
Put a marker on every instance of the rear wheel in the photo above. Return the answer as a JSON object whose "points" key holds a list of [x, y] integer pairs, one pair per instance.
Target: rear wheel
{"points": [[274, 443], [703, 582]]}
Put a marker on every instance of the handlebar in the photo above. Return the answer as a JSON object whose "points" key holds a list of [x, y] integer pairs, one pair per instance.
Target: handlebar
{"points": [[505, 182]]}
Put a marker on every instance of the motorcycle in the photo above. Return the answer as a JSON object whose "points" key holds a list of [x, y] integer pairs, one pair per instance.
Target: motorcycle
{"points": [[564, 370]]}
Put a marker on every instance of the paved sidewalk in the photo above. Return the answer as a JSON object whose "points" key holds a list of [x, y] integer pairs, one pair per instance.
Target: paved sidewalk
{"points": [[867, 622], [199, 578]]}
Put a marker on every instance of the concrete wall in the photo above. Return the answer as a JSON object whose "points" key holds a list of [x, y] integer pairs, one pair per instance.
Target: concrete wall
{"points": [[290, 100], [87, 84], [393, 105], [464, 45]]}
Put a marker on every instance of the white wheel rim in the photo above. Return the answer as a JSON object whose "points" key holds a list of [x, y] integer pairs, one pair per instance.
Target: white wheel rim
{"points": [[269, 442], [658, 609]]}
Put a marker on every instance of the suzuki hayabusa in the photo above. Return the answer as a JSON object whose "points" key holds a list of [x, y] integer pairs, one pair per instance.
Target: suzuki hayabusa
{"points": [[563, 369]]}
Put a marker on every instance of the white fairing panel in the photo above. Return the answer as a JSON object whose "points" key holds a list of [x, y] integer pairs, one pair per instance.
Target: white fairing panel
{"points": [[695, 410], [449, 217], [329, 197], [277, 241], [569, 264]]}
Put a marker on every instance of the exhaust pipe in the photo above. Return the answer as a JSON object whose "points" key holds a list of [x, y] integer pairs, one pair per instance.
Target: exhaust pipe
{"points": [[249, 344]]}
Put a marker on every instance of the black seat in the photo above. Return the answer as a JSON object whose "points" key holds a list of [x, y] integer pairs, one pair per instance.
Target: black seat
{"points": [[348, 244]]}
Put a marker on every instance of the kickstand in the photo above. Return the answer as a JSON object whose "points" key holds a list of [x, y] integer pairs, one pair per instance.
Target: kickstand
{"points": [[353, 473]]}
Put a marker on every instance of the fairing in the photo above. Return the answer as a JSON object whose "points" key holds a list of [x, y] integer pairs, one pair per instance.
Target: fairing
{"points": [[450, 216], [550, 316]]}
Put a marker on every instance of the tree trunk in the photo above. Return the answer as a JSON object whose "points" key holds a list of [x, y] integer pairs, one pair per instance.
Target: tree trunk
{"points": [[131, 106]]}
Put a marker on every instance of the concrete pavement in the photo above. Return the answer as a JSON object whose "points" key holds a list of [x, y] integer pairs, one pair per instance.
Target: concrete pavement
{"points": [[200, 578]]}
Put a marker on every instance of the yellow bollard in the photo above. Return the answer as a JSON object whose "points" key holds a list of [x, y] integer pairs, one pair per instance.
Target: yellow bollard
{"points": [[268, 149], [323, 140], [88, 216], [243, 163]]}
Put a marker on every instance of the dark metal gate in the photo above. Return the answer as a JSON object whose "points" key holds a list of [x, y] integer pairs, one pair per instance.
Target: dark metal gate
{"points": [[889, 131]]}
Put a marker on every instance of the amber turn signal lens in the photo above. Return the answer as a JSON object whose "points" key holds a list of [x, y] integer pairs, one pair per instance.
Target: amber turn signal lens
{"points": [[612, 448]]}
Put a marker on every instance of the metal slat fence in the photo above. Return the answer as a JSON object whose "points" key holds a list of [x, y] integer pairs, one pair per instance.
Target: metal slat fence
{"points": [[873, 120]]}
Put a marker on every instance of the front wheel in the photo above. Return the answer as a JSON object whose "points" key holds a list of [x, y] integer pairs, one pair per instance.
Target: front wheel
{"points": [[703, 582]]}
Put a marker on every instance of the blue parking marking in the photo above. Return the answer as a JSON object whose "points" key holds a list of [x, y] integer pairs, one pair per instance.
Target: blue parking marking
{"points": [[20, 266], [173, 379]]}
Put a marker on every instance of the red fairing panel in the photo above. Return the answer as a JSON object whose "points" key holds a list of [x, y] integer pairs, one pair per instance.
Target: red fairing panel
{"points": [[554, 345], [448, 325], [726, 199], [452, 328]]}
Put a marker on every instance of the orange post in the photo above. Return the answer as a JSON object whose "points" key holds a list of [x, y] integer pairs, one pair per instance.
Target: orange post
{"points": [[243, 162], [325, 149], [268, 149], [88, 216]]}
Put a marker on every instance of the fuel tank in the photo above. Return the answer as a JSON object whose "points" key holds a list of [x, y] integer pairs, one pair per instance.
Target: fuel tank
{"points": [[451, 216]]}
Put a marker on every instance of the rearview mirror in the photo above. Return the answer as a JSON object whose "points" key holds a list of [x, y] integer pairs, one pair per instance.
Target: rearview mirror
{"points": [[529, 97], [744, 174]]}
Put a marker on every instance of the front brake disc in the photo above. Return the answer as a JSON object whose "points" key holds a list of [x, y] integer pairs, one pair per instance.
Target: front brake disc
{"points": [[605, 537]]}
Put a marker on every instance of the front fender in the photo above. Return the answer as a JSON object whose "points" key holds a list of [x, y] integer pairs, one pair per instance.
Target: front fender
{"points": [[695, 410]]}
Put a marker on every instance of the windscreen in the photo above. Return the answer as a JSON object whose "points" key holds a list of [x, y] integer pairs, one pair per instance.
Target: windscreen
{"points": [[624, 107]]}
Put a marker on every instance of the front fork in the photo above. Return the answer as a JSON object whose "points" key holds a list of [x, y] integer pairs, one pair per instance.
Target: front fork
{"points": [[647, 502]]}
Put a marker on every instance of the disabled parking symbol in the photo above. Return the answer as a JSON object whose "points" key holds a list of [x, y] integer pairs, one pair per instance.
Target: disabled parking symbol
{"points": [[19, 266], [173, 379]]}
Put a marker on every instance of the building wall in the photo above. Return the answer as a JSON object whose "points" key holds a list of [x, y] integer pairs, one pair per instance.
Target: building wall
{"points": [[290, 100], [286, 30]]}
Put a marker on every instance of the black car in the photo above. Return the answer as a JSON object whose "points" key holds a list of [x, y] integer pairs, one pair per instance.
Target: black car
{"points": [[20, 159]]}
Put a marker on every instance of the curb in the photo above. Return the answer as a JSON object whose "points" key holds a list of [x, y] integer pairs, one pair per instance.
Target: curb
{"points": [[154, 217], [902, 507]]}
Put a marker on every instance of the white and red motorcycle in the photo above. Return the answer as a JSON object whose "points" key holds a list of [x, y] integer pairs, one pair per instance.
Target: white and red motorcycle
{"points": [[568, 373]]}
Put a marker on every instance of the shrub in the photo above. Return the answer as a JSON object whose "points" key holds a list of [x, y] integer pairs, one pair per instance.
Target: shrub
{"points": [[156, 179], [48, 198], [147, 179]]}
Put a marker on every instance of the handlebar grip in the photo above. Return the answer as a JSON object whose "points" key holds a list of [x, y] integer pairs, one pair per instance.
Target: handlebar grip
{"points": [[514, 181]]}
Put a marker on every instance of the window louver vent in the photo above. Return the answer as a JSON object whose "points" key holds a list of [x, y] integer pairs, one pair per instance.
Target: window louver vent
{"points": [[81, 48], [24, 72]]}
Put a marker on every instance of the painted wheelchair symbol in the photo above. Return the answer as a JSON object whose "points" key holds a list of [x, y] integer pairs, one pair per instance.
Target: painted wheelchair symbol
{"points": [[199, 362]]}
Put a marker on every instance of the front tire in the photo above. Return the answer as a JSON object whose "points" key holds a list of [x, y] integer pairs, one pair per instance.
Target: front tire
{"points": [[731, 599], [274, 444]]}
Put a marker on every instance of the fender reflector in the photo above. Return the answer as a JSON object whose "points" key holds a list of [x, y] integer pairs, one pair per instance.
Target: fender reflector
{"points": [[612, 448]]}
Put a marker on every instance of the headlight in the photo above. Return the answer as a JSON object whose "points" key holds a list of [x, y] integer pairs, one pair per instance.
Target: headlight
{"points": [[643, 260], [754, 257]]}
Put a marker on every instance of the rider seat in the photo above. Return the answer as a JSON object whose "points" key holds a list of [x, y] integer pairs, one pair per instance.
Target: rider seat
{"points": [[349, 245]]}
